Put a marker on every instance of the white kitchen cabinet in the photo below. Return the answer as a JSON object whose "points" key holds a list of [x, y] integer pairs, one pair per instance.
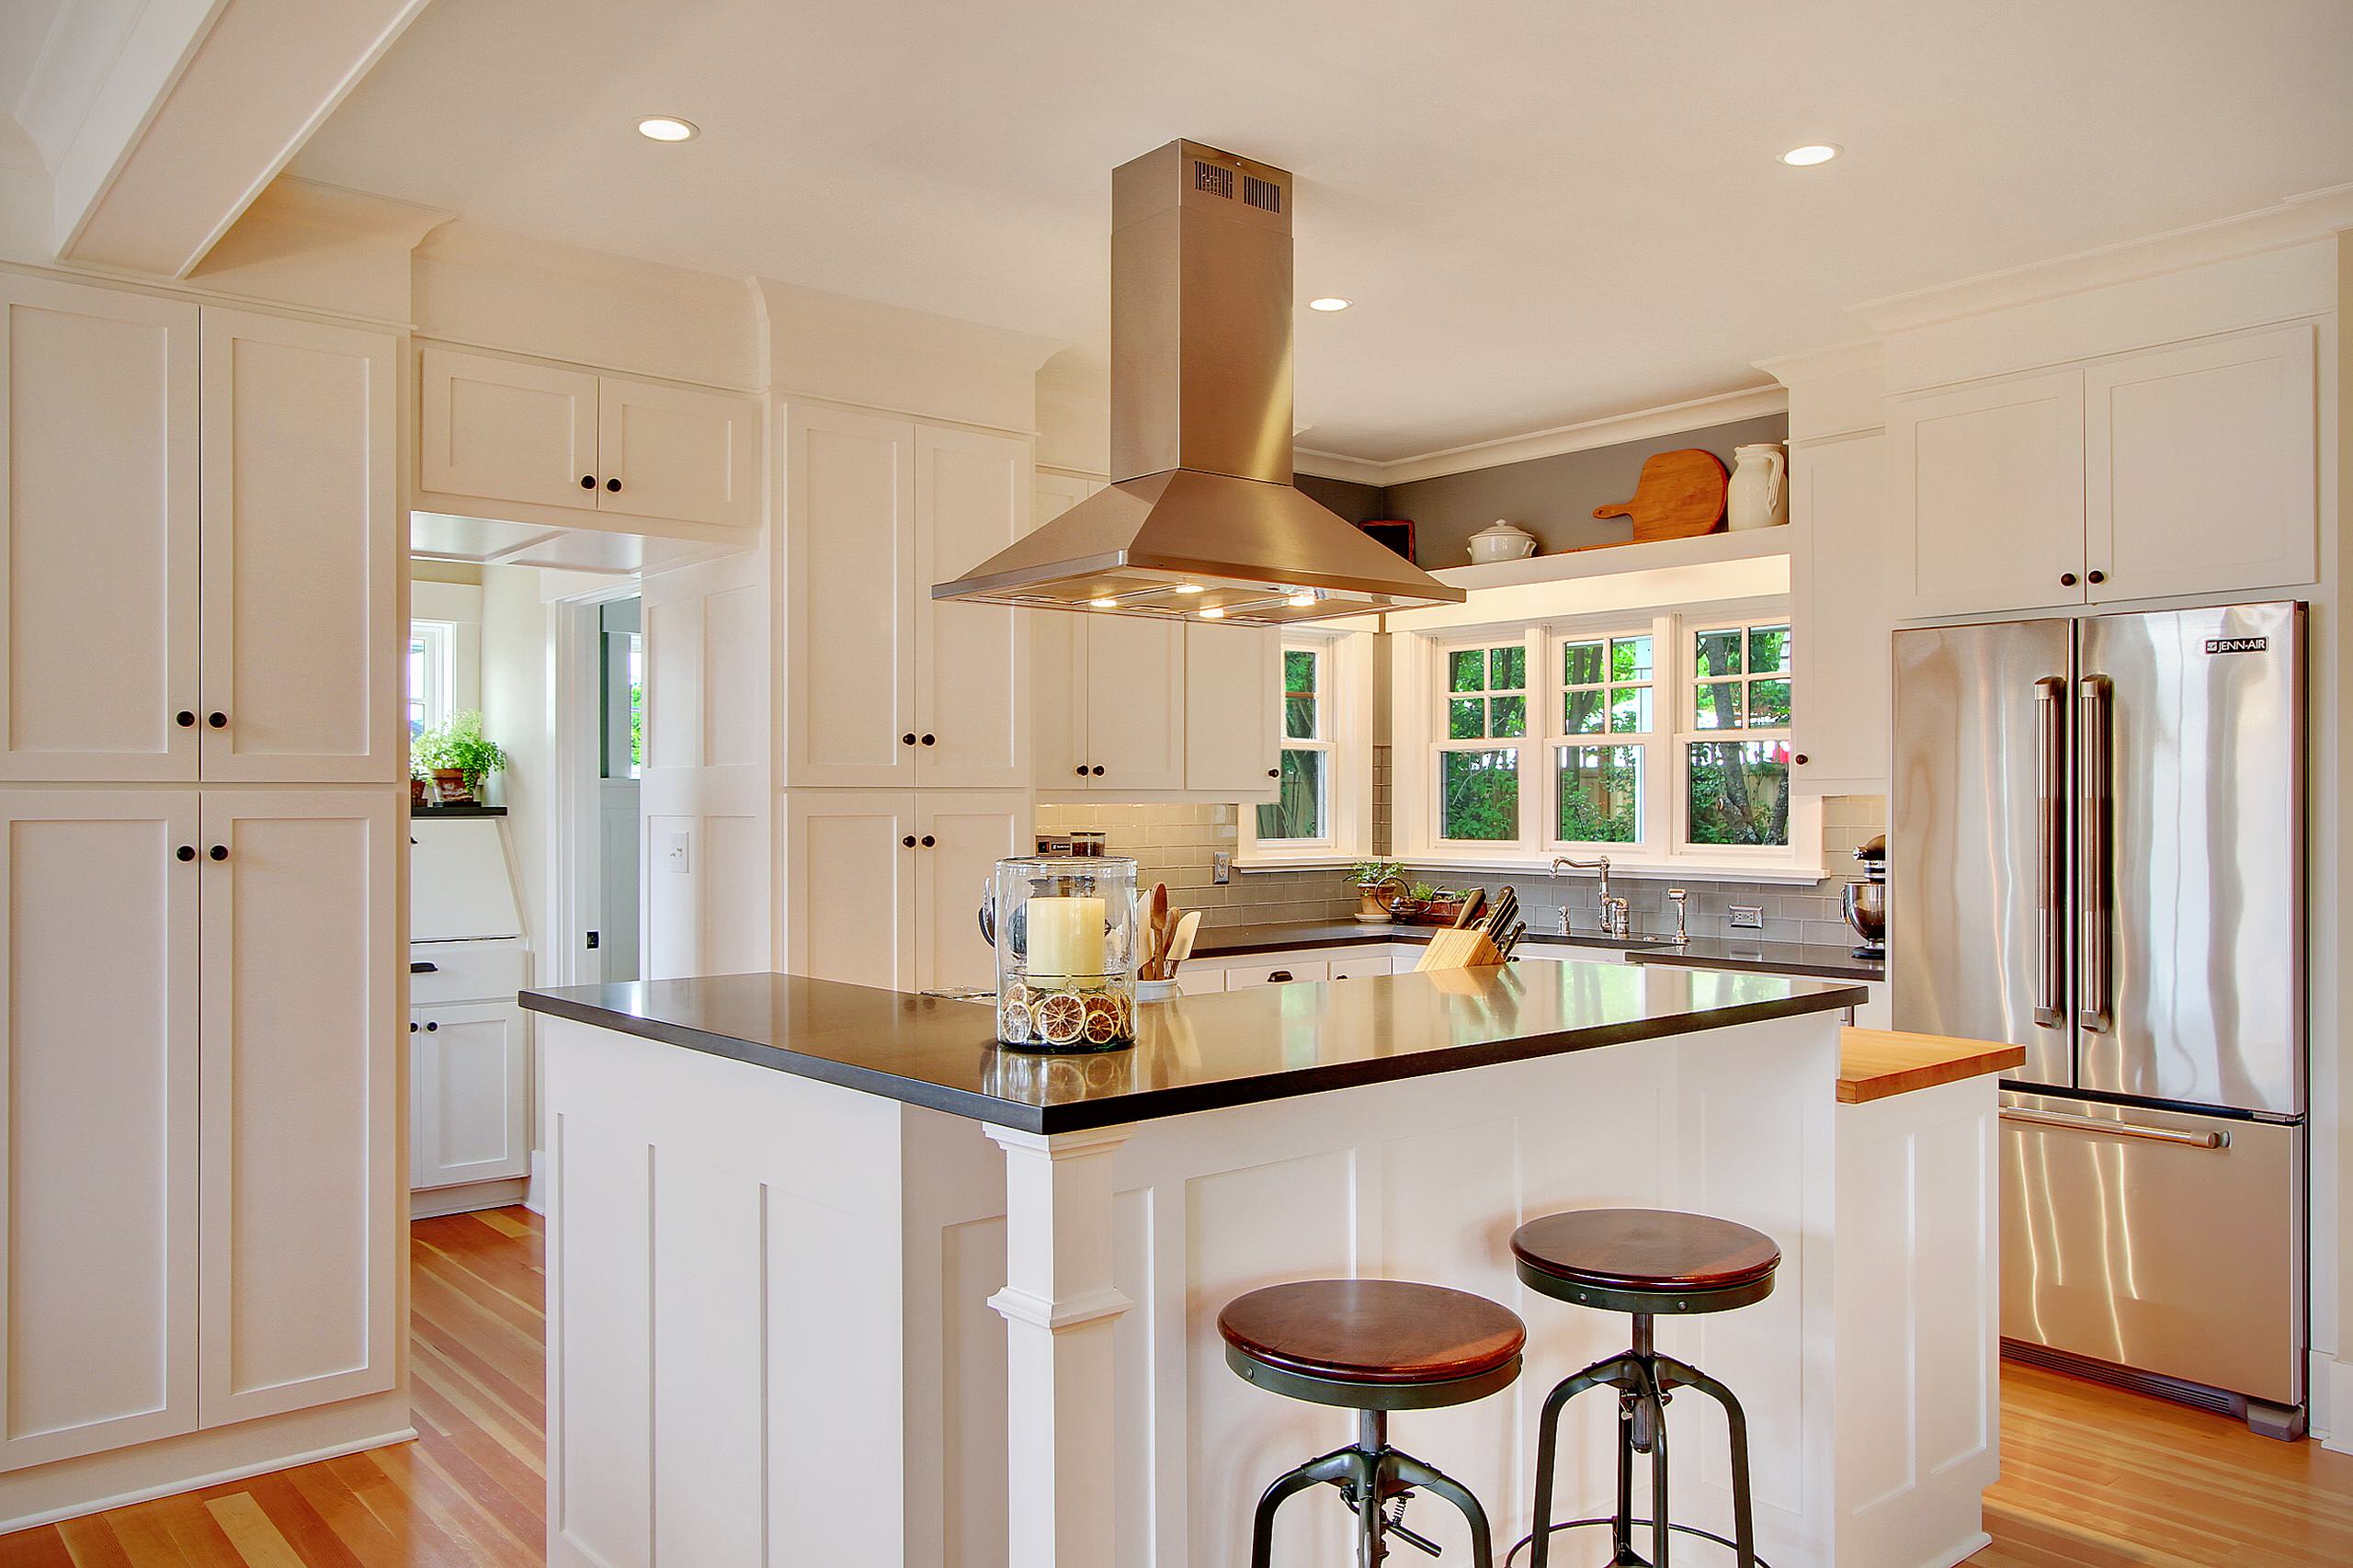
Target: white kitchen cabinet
{"points": [[1360, 966], [99, 1043], [469, 1115], [1129, 712], [97, 533], [298, 1224], [1275, 969], [1986, 492], [889, 689], [497, 433], [1233, 710], [1199, 980], [882, 887], [2200, 475], [302, 542], [1838, 510]]}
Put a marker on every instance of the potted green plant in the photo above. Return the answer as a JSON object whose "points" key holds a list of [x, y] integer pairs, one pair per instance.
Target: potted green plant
{"points": [[458, 757], [1377, 881], [1415, 899]]}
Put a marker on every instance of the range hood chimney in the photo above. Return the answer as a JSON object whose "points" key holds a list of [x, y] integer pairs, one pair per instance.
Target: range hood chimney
{"points": [[1201, 519]]}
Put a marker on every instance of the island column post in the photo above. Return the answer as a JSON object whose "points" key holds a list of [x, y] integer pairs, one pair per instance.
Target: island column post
{"points": [[1058, 1304]]}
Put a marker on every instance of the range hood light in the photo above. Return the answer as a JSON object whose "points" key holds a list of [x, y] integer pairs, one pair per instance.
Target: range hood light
{"points": [[1104, 604], [1188, 588], [1214, 612], [1305, 599], [1329, 303]]}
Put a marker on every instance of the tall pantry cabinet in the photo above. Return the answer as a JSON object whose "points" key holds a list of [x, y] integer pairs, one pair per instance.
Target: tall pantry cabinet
{"points": [[905, 735], [200, 815]]}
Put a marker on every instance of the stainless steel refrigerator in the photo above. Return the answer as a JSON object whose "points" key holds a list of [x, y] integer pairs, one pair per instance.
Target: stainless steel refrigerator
{"points": [[2096, 851]]}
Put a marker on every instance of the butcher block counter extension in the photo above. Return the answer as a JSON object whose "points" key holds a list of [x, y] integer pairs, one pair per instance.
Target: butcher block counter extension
{"points": [[834, 1277]]}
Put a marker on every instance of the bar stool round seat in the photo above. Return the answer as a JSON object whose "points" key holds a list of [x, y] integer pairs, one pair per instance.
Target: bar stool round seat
{"points": [[1372, 1345], [1651, 1261]]}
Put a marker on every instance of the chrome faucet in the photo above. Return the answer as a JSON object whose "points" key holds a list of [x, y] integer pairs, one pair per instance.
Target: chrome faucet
{"points": [[1616, 918], [1680, 897]]}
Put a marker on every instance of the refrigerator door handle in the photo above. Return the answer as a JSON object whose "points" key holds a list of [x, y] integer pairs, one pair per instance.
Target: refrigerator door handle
{"points": [[2095, 761], [2116, 1129], [2050, 831]]}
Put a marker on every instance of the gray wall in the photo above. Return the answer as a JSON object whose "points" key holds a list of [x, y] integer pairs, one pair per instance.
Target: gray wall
{"points": [[1553, 498], [1357, 502]]}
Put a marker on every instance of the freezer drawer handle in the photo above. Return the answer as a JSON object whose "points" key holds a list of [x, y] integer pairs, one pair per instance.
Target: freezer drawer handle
{"points": [[2117, 1129], [2094, 870], [2051, 851]]}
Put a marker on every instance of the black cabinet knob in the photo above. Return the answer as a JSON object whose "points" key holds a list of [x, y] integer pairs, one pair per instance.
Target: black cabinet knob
{"points": [[1097, 770], [931, 740], [431, 1029], [908, 739], [929, 841], [612, 485], [185, 852], [1082, 770], [909, 841], [412, 1029], [219, 852], [217, 718], [2066, 579], [587, 481], [1800, 759], [184, 719], [2097, 577], [1274, 773]]}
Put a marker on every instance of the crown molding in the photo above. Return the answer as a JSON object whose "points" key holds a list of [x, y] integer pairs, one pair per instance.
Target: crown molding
{"points": [[1861, 356], [1695, 413]]}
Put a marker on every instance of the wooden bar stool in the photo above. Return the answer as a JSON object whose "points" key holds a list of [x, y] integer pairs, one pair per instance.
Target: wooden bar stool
{"points": [[1647, 1262], [1372, 1345]]}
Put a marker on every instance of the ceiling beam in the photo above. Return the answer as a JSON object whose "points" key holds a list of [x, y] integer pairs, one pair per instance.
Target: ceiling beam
{"points": [[200, 105]]}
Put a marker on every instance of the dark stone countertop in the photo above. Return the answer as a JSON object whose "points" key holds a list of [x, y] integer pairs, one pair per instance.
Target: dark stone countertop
{"points": [[1195, 1053], [1823, 960]]}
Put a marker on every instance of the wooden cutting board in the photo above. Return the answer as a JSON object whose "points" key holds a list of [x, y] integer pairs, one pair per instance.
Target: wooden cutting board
{"points": [[1680, 494]]}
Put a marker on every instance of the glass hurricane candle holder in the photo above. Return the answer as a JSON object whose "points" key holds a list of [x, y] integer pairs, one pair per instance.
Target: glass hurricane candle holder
{"points": [[1064, 930]]}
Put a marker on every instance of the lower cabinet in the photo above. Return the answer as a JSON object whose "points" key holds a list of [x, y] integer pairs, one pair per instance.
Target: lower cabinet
{"points": [[882, 887], [469, 1108], [199, 1180]]}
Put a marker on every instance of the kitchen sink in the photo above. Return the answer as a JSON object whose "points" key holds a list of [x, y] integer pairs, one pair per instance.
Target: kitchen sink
{"points": [[1595, 940]]}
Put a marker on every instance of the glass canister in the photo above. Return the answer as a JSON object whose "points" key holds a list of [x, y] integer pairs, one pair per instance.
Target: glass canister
{"points": [[1064, 930]]}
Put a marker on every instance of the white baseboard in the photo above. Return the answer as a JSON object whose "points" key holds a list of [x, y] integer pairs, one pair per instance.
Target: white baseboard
{"points": [[535, 1191], [465, 1197], [2329, 1416]]}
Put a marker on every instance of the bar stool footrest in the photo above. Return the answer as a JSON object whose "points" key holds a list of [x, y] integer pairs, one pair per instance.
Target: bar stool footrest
{"points": [[1521, 1545]]}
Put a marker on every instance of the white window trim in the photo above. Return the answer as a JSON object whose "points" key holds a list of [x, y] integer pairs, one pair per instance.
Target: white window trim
{"points": [[1690, 624], [1346, 680], [1657, 771], [439, 638]]}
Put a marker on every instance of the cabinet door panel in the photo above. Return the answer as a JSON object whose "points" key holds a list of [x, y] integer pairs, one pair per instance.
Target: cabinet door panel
{"points": [[301, 1248], [677, 453], [506, 430], [1233, 719], [970, 833], [2200, 477], [849, 639], [99, 1032], [97, 533], [1133, 714], [849, 880], [1838, 501], [468, 1114], [1986, 492], [972, 661], [1057, 657], [302, 555]]}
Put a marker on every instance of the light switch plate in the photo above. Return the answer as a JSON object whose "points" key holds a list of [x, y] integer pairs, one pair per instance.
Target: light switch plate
{"points": [[1220, 867], [1744, 916], [674, 849]]}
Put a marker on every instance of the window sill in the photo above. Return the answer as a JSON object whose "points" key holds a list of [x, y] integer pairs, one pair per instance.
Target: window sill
{"points": [[1774, 872], [1302, 860]]}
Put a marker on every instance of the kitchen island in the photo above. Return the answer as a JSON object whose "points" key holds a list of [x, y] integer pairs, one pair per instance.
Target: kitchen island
{"points": [[832, 1278]]}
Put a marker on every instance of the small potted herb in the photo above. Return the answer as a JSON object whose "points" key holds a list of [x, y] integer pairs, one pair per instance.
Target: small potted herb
{"points": [[1411, 903], [1377, 883], [459, 758], [1443, 905]]}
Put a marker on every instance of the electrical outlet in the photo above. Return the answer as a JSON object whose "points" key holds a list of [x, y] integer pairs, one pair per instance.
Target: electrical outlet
{"points": [[1220, 867], [592, 941], [1744, 916]]}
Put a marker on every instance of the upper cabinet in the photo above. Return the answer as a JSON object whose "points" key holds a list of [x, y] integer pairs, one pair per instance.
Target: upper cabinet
{"points": [[887, 688], [285, 551], [1838, 512], [1232, 720], [2183, 470], [571, 446]]}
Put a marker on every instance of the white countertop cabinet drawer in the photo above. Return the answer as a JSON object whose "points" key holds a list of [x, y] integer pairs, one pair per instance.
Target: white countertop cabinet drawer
{"points": [[1276, 969]]}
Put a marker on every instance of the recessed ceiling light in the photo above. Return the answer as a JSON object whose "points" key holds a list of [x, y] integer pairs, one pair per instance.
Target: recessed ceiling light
{"points": [[1215, 612], [1807, 156], [666, 128], [1329, 303]]}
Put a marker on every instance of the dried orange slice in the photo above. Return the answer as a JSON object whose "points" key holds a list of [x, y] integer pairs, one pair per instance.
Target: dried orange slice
{"points": [[1017, 994], [1102, 1018], [1060, 1017], [1013, 1023]]}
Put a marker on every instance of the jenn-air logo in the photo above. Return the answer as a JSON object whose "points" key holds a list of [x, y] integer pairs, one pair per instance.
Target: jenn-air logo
{"points": [[2237, 644]]}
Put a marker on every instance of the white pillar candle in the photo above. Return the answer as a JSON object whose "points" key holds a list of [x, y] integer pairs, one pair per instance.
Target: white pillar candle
{"points": [[1065, 942]]}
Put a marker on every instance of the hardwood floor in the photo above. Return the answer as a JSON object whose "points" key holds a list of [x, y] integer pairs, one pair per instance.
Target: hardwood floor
{"points": [[2092, 1477]]}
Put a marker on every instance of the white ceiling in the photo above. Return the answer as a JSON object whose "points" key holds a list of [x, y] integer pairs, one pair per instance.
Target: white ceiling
{"points": [[1547, 210]]}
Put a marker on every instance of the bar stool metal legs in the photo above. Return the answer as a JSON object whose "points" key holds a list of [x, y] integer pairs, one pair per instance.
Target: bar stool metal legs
{"points": [[1371, 1476]]}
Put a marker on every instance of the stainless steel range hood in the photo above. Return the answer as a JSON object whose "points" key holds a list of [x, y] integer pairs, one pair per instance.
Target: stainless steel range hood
{"points": [[1201, 518]]}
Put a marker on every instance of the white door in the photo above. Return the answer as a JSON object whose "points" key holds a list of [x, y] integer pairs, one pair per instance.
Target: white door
{"points": [[98, 1071], [303, 540], [506, 430], [972, 498], [849, 886], [849, 560], [1985, 493], [1132, 716], [468, 1115], [300, 945], [1233, 709], [1838, 504], [959, 840], [2200, 473], [97, 533], [677, 452]]}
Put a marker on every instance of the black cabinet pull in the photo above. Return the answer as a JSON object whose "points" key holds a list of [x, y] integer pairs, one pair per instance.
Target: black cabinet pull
{"points": [[1278, 977], [909, 841], [2098, 577], [930, 740], [1098, 770], [219, 852], [185, 852], [908, 739], [432, 1028], [587, 481], [217, 718], [184, 719], [929, 841], [612, 485], [2066, 579], [422, 966]]}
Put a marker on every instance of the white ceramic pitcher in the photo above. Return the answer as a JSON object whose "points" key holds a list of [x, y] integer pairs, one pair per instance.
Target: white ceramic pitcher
{"points": [[1760, 493]]}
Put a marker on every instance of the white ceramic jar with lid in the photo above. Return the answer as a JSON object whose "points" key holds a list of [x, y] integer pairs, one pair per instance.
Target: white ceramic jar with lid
{"points": [[1501, 541]]}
